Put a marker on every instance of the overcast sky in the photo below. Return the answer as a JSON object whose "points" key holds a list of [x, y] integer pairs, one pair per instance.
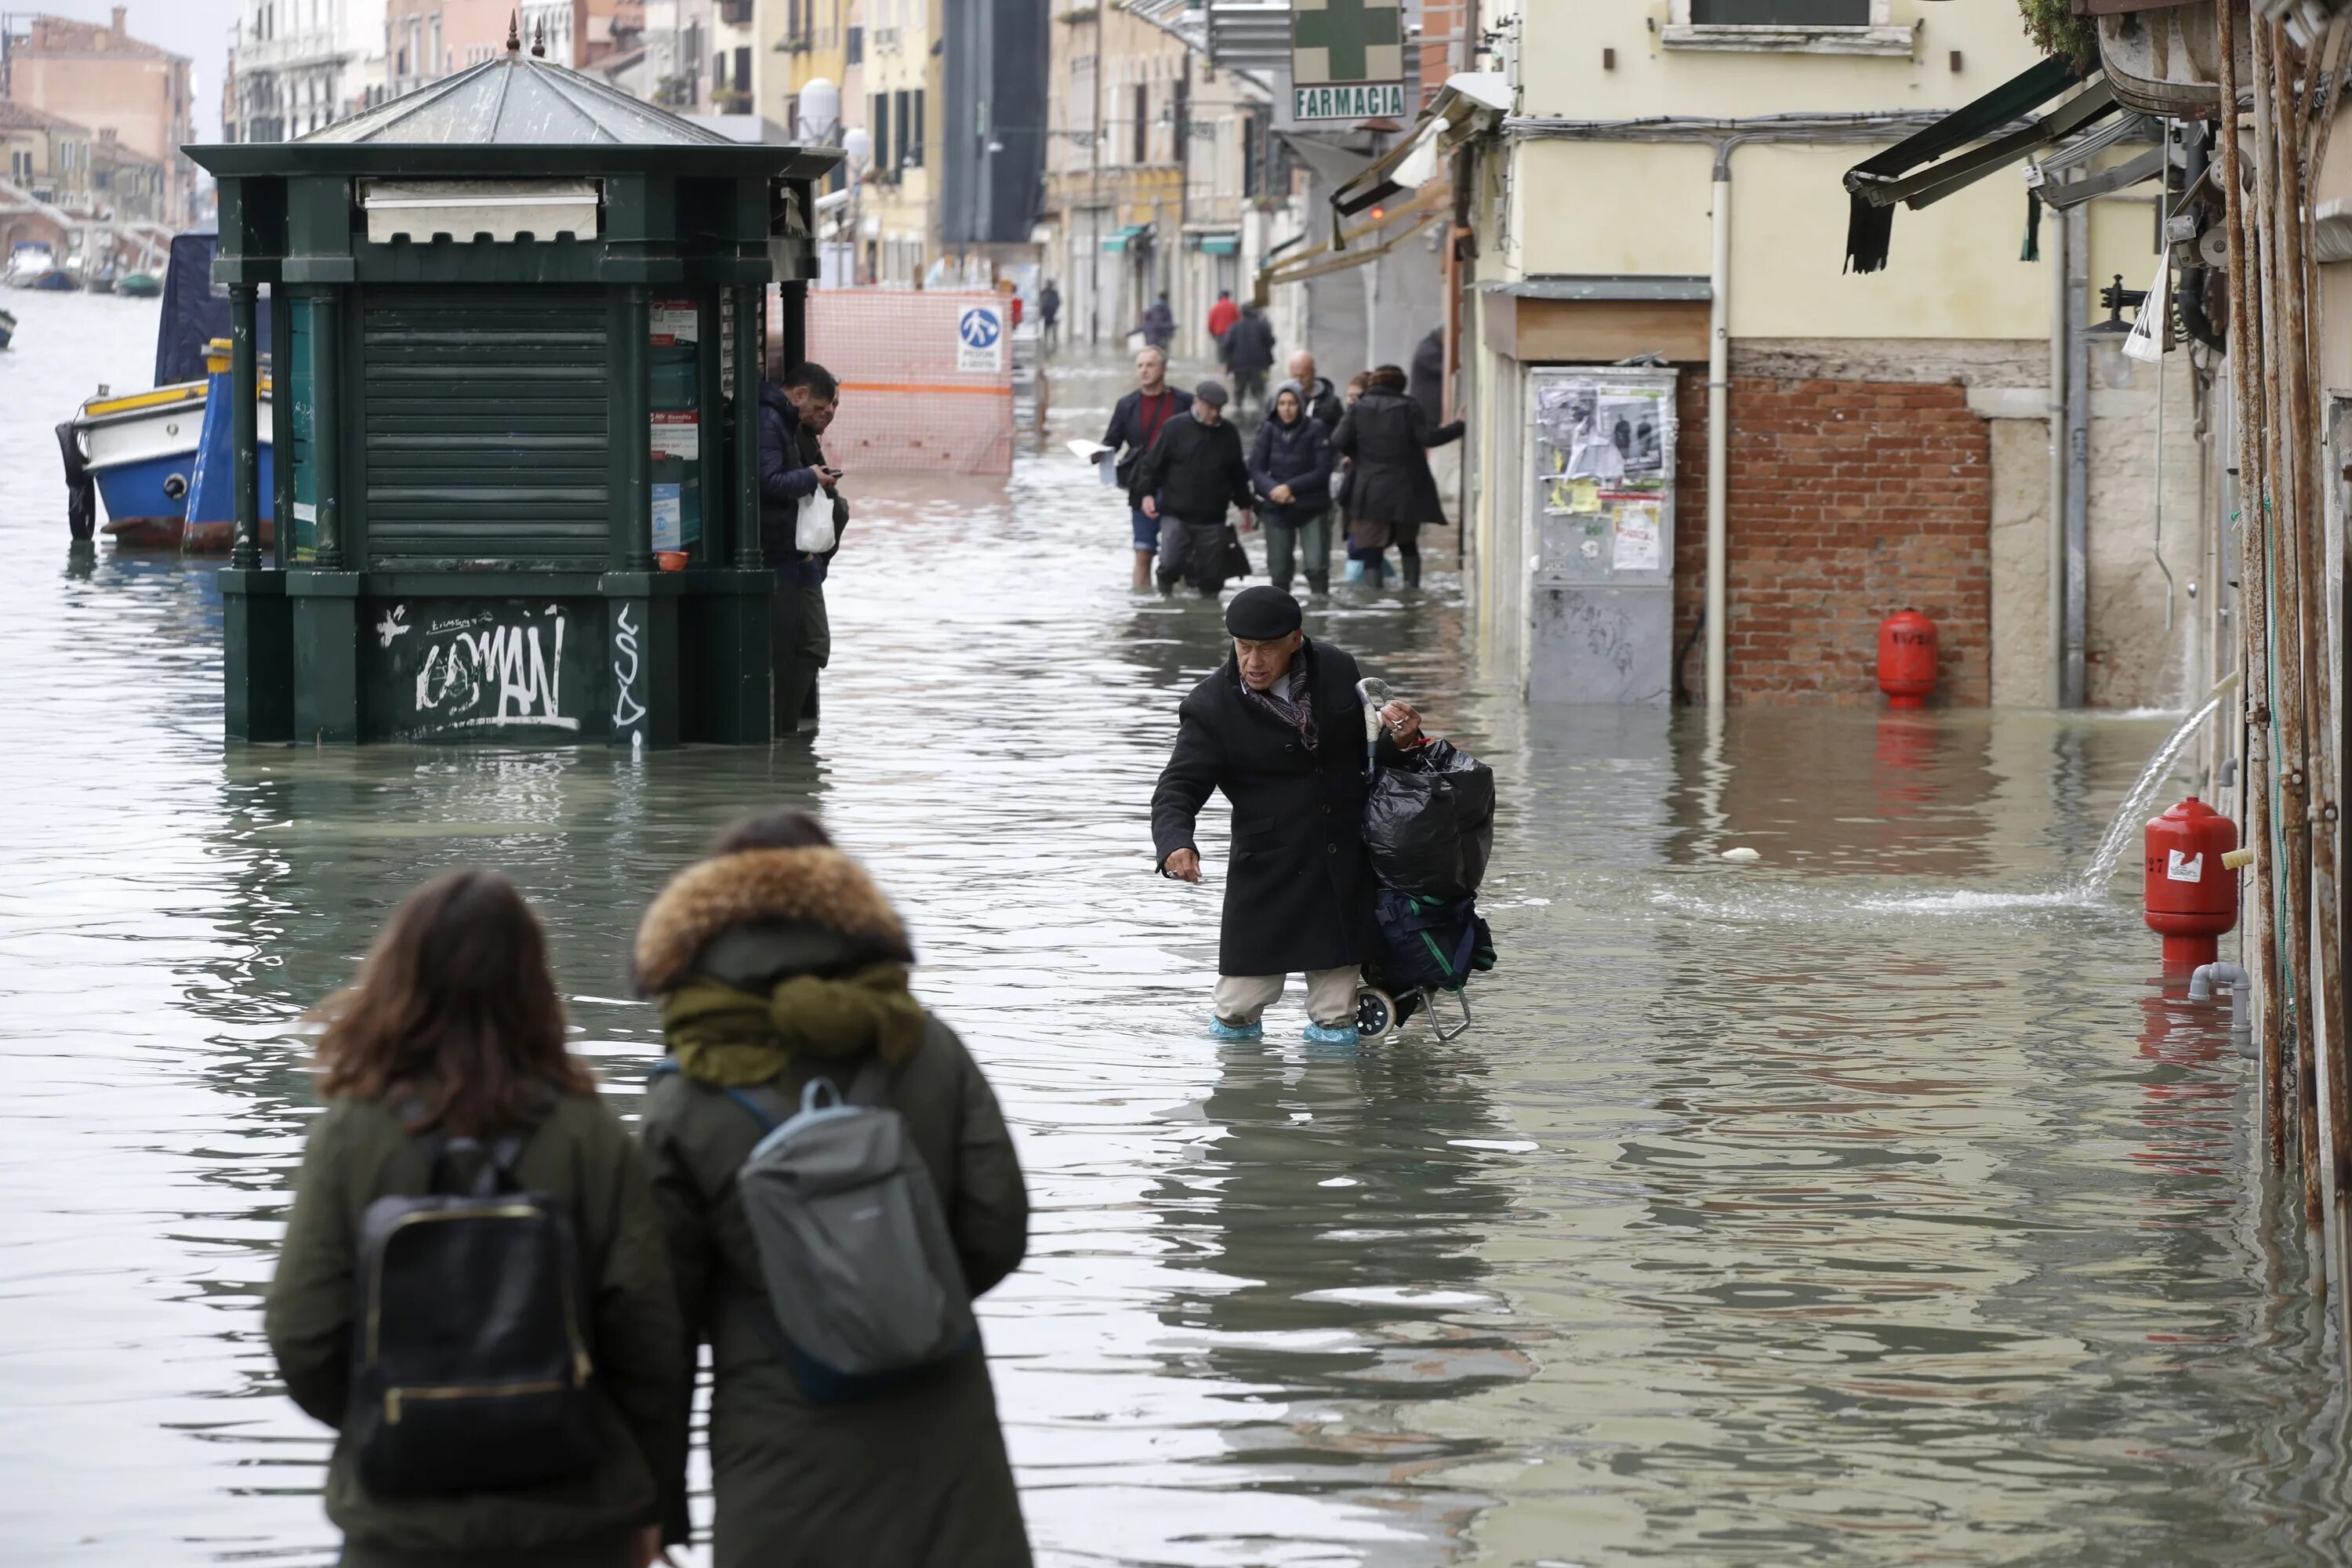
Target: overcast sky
{"points": [[196, 28]]}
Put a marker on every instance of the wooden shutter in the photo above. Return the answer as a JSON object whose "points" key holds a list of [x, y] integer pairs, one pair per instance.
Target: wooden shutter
{"points": [[485, 420]]}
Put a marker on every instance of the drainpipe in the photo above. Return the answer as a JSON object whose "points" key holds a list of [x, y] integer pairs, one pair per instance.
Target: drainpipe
{"points": [[2201, 989], [2060, 272], [2073, 688], [1719, 428]]}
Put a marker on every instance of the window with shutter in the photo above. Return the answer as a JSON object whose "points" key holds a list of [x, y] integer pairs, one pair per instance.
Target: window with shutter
{"points": [[485, 426], [1780, 12]]}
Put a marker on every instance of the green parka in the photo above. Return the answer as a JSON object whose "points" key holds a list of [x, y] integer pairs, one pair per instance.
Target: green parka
{"points": [[358, 1152], [916, 1476]]}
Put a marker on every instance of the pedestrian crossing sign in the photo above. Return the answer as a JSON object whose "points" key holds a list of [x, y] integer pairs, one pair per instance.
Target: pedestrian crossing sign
{"points": [[1347, 59]]}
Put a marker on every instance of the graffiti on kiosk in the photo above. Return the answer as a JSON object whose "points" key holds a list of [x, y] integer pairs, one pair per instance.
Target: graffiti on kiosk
{"points": [[626, 708], [479, 672]]}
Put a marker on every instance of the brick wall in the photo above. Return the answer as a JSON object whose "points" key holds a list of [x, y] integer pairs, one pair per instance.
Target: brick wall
{"points": [[1850, 499]]}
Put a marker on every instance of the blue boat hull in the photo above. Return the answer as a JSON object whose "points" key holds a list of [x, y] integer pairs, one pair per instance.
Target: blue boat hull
{"points": [[142, 510]]}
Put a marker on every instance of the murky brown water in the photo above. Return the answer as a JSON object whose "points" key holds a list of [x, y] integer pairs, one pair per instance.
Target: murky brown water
{"points": [[1843, 1208]]}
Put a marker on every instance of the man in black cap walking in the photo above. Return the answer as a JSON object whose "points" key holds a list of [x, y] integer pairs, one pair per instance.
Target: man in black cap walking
{"points": [[1190, 474], [1279, 730]]}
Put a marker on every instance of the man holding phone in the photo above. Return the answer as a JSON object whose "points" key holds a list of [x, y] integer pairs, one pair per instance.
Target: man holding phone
{"points": [[794, 411]]}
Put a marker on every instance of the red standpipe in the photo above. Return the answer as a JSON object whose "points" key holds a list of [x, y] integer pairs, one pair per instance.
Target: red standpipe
{"points": [[1907, 659], [2191, 897]]}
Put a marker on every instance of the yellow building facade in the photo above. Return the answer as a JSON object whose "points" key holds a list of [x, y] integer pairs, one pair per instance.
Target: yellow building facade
{"points": [[1888, 439]]}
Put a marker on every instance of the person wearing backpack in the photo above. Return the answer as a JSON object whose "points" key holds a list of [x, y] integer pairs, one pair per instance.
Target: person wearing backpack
{"points": [[473, 1289], [837, 1184]]}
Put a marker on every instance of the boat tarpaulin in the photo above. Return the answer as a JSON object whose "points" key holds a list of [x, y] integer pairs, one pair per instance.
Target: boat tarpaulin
{"points": [[1869, 220], [195, 310]]}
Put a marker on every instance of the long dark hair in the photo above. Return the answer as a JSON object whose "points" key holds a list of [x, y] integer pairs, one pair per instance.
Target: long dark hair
{"points": [[454, 1013]]}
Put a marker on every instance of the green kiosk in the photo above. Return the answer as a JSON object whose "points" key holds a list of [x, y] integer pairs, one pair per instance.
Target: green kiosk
{"points": [[518, 325]]}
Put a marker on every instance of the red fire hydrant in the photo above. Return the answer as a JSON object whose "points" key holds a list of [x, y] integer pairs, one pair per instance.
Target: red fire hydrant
{"points": [[1907, 659], [2192, 898]]}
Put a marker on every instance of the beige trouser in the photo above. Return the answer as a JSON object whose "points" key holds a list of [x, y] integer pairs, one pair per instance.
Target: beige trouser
{"points": [[1330, 995]]}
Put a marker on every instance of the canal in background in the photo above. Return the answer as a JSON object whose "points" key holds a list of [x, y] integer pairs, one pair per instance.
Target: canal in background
{"points": [[1847, 1208]]}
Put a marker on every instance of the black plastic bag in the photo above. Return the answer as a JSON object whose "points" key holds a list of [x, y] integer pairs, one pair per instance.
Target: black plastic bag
{"points": [[1429, 822], [1236, 559]]}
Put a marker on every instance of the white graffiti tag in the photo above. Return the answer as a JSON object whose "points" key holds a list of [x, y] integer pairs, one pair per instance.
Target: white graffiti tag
{"points": [[626, 708], [393, 625], [506, 669]]}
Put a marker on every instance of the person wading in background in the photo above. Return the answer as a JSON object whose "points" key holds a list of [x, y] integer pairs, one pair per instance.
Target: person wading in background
{"points": [[1049, 316], [1387, 435], [1280, 730], [1158, 325], [1222, 316], [1135, 421], [1248, 353], [454, 1032], [1290, 469], [793, 415], [1192, 473], [776, 962]]}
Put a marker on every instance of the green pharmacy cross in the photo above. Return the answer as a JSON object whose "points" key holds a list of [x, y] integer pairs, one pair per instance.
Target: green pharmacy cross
{"points": [[1348, 32]]}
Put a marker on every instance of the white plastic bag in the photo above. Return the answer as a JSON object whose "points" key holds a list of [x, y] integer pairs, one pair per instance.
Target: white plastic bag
{"points": [[2147, 340], [813, 527]]}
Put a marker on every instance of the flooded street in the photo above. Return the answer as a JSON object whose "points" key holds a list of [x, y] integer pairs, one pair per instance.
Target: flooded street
{"points": [[1867, 1204]]}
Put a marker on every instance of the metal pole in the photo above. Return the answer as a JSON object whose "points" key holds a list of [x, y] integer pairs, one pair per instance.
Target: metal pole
{"points": [[244, 436], [2073, 686], [1718, 437]]}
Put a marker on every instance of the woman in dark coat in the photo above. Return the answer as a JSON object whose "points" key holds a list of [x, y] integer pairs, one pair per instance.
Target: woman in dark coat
{"points": [[454, 1030], [1290, 471], [1391, 491], [775, 961], [1280, 730]]}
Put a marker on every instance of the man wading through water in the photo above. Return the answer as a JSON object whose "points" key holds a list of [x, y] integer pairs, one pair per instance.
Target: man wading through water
{"points": [[1192, 473], [792, 414], [1279, 728]]}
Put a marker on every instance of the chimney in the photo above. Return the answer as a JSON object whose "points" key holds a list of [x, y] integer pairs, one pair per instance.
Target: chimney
{"points": [[121, 13]]}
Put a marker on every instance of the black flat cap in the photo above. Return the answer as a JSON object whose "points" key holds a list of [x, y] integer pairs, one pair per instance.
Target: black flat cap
{"points": [[1261, 614], [1212, 393]]}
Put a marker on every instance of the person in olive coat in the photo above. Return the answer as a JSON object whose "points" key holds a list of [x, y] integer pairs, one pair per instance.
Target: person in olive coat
{"points": [[1387, 437], [776, 960], [1280, 729], [455, 1027]]}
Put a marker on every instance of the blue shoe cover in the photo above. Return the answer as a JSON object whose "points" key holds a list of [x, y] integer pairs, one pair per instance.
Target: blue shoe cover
{"points": [[1355, 573], [1330, 1034], [1220, 1030]]}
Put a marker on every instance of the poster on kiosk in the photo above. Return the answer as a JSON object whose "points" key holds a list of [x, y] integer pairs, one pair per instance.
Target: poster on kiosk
{"points": [[1600, 500]]}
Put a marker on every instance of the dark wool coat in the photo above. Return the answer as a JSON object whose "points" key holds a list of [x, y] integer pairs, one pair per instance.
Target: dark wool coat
{"points": [[1388, 435], [582, 1156], [1298, 455], [916, 1476], [1197, 470], [1298, 894]]}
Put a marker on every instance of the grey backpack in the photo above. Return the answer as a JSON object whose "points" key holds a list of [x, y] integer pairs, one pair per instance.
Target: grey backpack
{"points": [[854, 1249]]}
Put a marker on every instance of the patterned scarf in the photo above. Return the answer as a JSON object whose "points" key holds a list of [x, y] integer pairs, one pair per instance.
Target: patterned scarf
{"points": [[1288, 700]]}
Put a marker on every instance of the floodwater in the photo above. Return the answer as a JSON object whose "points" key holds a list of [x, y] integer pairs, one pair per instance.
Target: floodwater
{"points": [[1867, 1204]]}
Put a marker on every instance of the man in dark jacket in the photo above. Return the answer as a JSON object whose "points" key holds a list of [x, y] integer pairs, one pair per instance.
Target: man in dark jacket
{"points": [[1049, 315], [1322, 399], [793, 415], [1190, 474], [1247, 349], [1135, 421], [1277, 730]]}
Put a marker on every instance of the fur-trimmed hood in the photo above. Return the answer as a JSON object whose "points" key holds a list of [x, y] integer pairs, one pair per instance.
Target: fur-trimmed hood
{"points": [[816, 886]]}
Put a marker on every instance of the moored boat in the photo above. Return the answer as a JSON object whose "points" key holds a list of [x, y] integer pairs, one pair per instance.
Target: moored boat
{"points": [[140, 450], [139, 285]]}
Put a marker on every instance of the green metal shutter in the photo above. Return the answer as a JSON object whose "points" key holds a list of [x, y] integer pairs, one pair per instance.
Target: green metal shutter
{"points": [[485, 426]]}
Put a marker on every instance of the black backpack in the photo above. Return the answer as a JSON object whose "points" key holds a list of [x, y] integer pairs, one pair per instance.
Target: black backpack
{"points": [[470, 1370]]}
